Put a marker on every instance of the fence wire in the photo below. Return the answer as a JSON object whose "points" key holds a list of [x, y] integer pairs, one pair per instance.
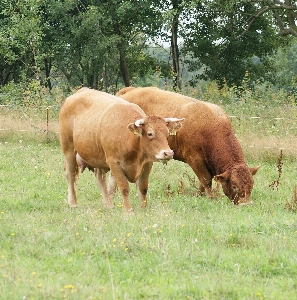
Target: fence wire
{"points": [[281, 130], [29, 119]]}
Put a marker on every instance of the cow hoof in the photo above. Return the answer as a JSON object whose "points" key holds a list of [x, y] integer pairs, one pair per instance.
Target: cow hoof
{"points": [[245, 204], [129, 212], [73, 205], [143, 205], [109, 205]]}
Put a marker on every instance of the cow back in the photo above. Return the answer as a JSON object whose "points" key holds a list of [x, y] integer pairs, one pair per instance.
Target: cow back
{"points": [[206, 130], [96, 123]]}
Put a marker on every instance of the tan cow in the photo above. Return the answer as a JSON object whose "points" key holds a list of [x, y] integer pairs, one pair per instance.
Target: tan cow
{"points": [[104, 132], [206, 141]]}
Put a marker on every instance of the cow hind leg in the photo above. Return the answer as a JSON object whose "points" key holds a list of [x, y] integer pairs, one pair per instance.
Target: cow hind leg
{"points": [[101, 180], [112, 186], [71, 169], [205, 186]]}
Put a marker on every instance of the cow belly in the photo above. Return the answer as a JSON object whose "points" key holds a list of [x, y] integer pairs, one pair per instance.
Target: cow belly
{"points": [[91, 153], [93, 159], [97, 162]]}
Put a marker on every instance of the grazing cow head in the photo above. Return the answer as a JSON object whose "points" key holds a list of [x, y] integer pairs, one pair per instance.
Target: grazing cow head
{"points": [[237, 183], [154, 132]]}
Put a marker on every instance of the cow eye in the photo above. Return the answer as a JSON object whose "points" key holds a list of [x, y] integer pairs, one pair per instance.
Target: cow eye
{"points": [[150, 135], [234, 188]]}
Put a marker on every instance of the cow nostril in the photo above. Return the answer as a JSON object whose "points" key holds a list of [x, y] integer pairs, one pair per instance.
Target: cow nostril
{"points": [[168, 153]]}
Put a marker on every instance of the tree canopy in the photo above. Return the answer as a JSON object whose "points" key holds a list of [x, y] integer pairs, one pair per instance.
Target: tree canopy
{"points": [[103, 44]]}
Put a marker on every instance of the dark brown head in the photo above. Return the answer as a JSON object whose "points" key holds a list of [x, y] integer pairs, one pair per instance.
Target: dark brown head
{"points": [[237, 183]]}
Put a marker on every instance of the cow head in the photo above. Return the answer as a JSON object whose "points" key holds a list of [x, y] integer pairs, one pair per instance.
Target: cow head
{"points": [[237, 183], [153, 132]]}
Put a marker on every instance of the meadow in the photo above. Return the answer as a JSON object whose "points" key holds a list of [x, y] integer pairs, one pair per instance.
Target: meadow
{"points": [[183, 246]]}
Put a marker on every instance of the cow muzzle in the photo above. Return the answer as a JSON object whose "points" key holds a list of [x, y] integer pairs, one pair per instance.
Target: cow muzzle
{"points": [[244, 202], [164, 155]]}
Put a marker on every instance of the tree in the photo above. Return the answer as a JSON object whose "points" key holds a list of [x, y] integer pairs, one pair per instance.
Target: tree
{"points": [[172, 11], [284, 74], [20, 40], [177, 7], [284, 14], [223, 37], [88, 42], [104, 42], [219, 48], [130, 21]]}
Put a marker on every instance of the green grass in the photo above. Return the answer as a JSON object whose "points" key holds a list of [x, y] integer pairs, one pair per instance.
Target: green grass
{"points": [[181, 247]]}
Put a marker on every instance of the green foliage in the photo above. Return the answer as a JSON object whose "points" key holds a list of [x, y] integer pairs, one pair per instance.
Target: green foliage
{"points": [[30, 94], [74, 40], [103, 44], [215, 41], [285, 75], [254, 95], [20, 40]]}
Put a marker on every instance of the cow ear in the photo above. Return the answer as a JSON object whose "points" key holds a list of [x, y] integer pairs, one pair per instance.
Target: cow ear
{"points": [[221, 178], [137, 130], [254, 170], [174, 126]]}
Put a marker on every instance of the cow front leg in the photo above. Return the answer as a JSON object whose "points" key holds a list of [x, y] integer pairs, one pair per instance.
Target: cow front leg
{"points": [[203, 175], [142, 184], [123, 185], [101, 180]]}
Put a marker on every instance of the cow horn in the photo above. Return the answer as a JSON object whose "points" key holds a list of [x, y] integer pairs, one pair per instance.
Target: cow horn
{"points": [[139, 122], [167, 120]]}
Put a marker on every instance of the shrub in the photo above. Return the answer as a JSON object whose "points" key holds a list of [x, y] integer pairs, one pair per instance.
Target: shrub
{"points": [[30, 94]]}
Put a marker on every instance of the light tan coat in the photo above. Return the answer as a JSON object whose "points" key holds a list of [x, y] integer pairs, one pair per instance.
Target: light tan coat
{"points": [[108, 133]]}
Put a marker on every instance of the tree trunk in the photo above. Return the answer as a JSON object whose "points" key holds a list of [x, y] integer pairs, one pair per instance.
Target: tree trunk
{"points": [[174, 46], [123, 64], [48, 66]]}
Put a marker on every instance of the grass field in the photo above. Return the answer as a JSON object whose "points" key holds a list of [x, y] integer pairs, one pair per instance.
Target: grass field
{"points": [[183, 246]]}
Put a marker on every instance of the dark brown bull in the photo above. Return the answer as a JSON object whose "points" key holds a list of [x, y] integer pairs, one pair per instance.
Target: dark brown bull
{"points": [[206, 141]]}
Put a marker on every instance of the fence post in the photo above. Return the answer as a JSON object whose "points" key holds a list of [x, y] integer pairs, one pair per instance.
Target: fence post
{"points": [[47, 120]]}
